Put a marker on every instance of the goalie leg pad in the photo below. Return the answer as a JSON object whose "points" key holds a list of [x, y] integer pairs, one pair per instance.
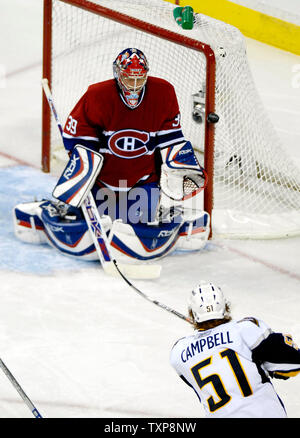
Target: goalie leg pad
{"points": [[58, 225], [28, 226], [68, 236], [69, 233], [194, 233], [143, 241], [128, 242]]}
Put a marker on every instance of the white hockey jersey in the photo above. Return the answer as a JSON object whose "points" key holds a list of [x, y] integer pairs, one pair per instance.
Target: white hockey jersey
{"points": [[227, 367]]}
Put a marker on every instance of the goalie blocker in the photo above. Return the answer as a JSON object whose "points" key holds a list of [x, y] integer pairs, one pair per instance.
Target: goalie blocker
{"points": [[61, 224]]}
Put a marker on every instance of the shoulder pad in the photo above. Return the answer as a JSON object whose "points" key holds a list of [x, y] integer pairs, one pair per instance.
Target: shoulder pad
{"points": [[251, 319], [177, 342]]}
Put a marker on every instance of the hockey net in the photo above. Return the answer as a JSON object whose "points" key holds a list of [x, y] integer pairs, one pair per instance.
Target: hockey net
{"points": [[254, 186]]}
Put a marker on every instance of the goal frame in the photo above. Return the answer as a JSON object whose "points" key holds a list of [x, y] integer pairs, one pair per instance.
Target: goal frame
{"points": [[209, 128]]}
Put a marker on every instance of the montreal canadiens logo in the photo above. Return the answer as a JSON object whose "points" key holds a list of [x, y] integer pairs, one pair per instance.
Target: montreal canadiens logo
{"points": [[129, 143]]}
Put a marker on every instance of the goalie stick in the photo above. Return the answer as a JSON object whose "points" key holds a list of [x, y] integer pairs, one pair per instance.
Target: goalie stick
{"points": [[96, 229], [111, 266], [16, 385]]}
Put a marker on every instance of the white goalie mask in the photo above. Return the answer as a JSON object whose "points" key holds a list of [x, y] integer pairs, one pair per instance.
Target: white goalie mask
{"points": [[207, 302]]}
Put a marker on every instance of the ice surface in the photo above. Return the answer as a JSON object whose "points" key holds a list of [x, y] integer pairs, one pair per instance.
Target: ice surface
{"points": [[82, 344]]}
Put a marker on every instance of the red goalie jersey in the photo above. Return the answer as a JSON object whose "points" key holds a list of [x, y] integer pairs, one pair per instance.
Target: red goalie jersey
{"points": [[126, 137]]}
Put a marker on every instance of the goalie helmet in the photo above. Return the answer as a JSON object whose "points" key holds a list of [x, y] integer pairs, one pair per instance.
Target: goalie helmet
{"points": [[207, 302], [130, 70]]}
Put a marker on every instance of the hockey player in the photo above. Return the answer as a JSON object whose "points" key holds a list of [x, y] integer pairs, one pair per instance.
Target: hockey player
{"points": [[133, 121], [229, 363]]}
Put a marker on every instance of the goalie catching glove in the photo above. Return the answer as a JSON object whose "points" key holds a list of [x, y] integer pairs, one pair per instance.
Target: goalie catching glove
{"points": [[182, 177]]}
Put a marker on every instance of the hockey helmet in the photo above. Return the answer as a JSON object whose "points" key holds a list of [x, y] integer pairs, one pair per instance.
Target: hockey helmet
{"points": [[207, 302], [130, 69]]}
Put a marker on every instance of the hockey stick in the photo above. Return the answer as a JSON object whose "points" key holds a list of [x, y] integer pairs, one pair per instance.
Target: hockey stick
{"points": [[26, 399], [96, 229], [156, 302]]}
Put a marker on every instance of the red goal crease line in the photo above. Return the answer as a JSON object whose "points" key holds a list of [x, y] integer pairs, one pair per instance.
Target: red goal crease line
{"points": [[18, 160], [258, 260]]}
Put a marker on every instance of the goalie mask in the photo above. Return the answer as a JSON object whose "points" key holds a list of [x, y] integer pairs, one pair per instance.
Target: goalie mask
{"points": [[130, 70], [207, 302]]}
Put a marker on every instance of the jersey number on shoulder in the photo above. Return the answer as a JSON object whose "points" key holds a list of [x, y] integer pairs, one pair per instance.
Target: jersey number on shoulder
{"points": [[176, 121], [71, 125], [217, 383]]}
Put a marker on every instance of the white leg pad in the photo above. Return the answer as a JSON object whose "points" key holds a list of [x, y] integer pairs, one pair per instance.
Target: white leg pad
{"points": [[27, 224], [194, 234]]}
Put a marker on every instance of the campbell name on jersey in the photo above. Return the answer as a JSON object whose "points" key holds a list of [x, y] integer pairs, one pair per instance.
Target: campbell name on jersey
{"points": [[126, 137], [227, 367]]}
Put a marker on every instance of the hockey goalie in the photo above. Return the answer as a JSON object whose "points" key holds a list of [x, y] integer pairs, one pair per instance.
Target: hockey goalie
{"points": [[127, 149]]}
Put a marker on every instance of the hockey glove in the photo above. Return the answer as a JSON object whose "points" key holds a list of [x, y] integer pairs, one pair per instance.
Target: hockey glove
{"points": [[181, 177]]}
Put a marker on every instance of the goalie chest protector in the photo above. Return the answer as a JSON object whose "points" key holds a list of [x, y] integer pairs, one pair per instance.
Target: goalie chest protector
{"points": [[126, 137]]}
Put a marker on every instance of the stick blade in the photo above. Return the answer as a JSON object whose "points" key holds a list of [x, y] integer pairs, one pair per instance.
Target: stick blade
{"points": [[142, 272]]}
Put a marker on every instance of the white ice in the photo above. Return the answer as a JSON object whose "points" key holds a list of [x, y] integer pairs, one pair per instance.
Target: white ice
{"points": [[84, 345]]}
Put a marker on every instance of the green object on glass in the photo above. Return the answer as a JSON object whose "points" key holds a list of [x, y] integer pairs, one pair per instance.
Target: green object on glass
{"points": [[184, 16], [177, 13], [187, 17]]}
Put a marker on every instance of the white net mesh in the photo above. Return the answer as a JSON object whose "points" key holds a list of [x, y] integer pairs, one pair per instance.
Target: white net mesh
{"points": [[256, 185]]}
